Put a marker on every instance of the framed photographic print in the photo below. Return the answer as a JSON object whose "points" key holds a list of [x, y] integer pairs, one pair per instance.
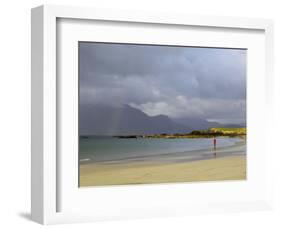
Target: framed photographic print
{"points": [[160, 114], [137, 114]]}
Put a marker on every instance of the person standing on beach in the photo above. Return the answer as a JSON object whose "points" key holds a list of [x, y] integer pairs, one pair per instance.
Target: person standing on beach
{"points": [[215, 145], [215, 142]]}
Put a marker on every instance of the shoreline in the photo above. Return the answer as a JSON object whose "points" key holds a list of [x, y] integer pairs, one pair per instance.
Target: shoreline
{"points": [[227, 166], [186, 156]]}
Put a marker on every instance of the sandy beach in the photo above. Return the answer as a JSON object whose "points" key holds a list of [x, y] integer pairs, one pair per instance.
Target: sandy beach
{"points": [[218, 168]]}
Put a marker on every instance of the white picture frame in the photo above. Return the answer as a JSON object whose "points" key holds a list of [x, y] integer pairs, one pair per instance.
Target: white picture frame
{"points": [[48, 188]]}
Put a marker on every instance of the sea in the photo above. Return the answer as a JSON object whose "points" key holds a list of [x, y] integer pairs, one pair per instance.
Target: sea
{"points": [[104, 149]]}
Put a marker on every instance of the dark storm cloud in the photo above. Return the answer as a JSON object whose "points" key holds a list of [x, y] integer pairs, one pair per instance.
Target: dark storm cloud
{"points": [[175, 81]]}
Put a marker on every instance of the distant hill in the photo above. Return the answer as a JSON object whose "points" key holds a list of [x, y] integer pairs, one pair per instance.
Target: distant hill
{"points": [[201, 124], [105, 120], [230, 131], [193, 123]]}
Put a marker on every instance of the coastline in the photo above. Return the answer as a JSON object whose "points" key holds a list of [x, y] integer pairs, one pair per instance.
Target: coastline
{"points": [[190, 155], [228, 164]]}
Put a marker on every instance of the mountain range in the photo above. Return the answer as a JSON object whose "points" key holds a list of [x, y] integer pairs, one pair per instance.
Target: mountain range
{"points": [[126, 120]]}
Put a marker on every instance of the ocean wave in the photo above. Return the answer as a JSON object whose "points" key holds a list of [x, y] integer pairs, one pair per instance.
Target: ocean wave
{"points": [[85, 159]]}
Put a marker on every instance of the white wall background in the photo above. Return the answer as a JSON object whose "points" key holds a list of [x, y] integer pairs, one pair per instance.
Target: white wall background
{"points": [[15, 112]]}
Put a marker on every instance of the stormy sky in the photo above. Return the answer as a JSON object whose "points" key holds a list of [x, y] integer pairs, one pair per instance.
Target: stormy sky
{"points": [[180, 82]]}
